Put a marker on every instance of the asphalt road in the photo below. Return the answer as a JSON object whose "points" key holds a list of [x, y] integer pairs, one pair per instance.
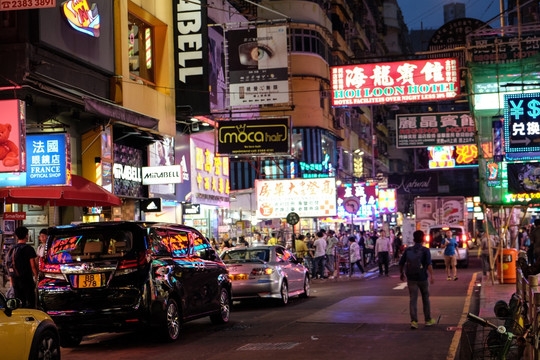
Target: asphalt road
{"points": [[358, 318]]}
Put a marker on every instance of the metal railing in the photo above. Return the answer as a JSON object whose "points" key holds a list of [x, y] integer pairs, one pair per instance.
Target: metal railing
{"points": [[527, 290]]}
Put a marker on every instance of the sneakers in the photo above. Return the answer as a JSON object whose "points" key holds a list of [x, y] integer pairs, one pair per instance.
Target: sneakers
{"points": [[414, 324], [449, 278], [455, 278], [430, 322]]}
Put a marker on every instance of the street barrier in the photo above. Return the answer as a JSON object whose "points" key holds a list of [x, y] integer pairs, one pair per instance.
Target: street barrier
{"points": [[527, 290]]}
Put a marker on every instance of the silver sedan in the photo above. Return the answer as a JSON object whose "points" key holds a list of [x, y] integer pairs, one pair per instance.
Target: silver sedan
{"points": [[266, 272]]}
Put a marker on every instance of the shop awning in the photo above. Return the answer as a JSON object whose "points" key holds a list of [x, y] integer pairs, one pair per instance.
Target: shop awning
{"points": [[108, 109], [82, 192]]}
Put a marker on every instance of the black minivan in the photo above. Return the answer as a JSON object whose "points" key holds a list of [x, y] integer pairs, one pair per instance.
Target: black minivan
{"points": [[110, 276]]}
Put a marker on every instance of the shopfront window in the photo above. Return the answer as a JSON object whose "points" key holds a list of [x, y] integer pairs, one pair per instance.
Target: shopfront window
{"points": [[141, 49]]}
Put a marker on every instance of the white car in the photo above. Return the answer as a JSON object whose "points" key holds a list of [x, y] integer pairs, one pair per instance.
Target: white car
{"points": [[434, 239], [270, 272]]}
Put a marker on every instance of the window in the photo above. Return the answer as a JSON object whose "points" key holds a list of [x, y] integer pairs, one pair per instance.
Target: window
{"points": [[202, 247], [159, 239], [179, 243], [306, 40], [141, 50]]}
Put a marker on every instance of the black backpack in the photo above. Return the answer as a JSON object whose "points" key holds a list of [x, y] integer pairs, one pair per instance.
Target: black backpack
{"points": [[414, 266], [11, 258]]}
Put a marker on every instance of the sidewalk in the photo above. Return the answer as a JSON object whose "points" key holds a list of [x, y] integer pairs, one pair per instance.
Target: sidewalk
{"points": [[491, 293]]}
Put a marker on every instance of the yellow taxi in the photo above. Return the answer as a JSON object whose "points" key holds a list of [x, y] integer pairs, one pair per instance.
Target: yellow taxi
{"points": [[26, 333]]}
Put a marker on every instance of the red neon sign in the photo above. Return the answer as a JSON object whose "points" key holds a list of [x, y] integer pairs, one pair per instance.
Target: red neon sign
{"points": [[395, 82]]}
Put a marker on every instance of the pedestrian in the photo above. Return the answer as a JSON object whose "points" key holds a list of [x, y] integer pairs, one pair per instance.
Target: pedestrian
{"points": [[273, 239], [487, 243], [415, 264], [535, 241], [41, 247], [354, 256], [383, 248], [320, 255], [300, 247], [369, 249], [331, 245], [258, 240], [450, 255], [23, 269]]}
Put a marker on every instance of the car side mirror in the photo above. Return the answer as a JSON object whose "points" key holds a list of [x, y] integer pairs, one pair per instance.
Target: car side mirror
{"points": [[12, 304]]}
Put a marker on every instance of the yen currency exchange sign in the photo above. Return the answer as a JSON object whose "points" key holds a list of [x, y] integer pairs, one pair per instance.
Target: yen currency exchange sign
{"points": [[522, 123]]}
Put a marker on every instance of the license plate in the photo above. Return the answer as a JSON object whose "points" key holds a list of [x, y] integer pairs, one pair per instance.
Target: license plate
{"points": [[439, 253], [89, 281], [240, 277]]}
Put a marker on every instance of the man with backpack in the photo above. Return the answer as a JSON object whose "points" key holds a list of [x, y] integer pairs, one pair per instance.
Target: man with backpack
{"points": [[415, 263], [22, 269]]}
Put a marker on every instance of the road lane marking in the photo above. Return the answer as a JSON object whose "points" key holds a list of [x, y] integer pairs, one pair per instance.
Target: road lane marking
{"points": [[457, 335], [400, 286]]}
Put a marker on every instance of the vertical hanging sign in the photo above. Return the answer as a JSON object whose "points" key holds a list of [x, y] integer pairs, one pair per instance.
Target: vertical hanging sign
{"points": [[191, 56]]}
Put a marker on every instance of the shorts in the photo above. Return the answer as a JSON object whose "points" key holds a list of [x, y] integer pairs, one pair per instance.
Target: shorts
{"points": [[450, 260]]}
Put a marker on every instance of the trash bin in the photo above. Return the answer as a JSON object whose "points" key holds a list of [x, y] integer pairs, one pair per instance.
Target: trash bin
{"points": [[509, 265]]}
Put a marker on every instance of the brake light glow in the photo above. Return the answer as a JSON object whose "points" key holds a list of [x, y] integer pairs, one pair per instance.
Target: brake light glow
{"points": [[261, 271], [463, 241], [50, 268]]}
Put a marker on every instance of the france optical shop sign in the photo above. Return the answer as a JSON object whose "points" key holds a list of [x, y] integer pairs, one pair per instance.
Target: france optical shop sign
{"points": [[434, 129], [252, 137], [395, 82], [306, 197], [46, 159], [522, 123]]}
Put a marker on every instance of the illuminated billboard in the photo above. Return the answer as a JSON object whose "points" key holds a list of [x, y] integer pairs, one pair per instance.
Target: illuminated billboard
{"points": [[522, 125], [12, 136], [306, 197], [395, 82], [434, 129]]}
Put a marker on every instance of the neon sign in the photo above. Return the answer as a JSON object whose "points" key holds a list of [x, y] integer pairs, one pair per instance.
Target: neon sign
{"points": [[404, 81], [452, 156], [82, 17]]}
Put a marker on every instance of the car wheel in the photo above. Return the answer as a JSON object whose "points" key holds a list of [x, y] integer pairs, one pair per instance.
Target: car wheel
{"points": [[69, 340], [45, 345], [284, 294], [224, 309], [172, 323], [307, 288]]}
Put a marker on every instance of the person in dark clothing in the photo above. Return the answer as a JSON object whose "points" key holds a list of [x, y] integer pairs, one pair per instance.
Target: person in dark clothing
{"points": [[415, 264], [22, 280]]}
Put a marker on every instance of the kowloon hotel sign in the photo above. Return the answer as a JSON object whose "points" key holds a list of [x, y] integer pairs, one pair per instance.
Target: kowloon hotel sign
{"points": [[395, 82]]}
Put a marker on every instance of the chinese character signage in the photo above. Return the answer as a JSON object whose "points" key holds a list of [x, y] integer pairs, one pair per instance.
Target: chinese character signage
{"points": [[395, 82], [440, 157], [47, 162], [210, 173], [421, 130], [366, 196], [12, 134], [258, 65], [306, 197], [254, 137], [522, 123], [387, 201]]}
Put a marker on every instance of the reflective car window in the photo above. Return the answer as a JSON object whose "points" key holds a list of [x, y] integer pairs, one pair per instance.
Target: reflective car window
{"points": [[202, 248], [65, 249], [179, 243], [158, 242]]}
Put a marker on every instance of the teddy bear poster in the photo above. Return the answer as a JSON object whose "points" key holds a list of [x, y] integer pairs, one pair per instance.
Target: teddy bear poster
{"points": [[11, 123]]}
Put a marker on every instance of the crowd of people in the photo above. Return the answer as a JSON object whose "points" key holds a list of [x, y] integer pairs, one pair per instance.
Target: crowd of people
{"points": [[327, 252]]}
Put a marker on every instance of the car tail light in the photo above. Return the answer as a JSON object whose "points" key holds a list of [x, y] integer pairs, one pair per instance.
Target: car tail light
{"points": [[131, 265], [463, 241], [51, 271], [427, 240], [261, 271]]}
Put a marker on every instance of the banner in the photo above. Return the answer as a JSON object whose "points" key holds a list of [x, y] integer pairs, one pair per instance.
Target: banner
{"points": [[306, 197], [434, 129], [254, 137], [258, 65]]}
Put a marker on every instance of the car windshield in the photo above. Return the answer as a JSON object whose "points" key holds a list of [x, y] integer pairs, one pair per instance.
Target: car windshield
{"points": [[246, 255], [66, 249]]}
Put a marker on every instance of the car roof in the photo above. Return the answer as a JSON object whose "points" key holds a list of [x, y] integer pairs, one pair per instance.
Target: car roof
{"points": [[115, 224]]}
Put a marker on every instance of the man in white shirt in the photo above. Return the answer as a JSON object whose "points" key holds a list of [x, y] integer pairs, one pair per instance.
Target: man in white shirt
{"points": [[320, 255], [383, 249]]}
